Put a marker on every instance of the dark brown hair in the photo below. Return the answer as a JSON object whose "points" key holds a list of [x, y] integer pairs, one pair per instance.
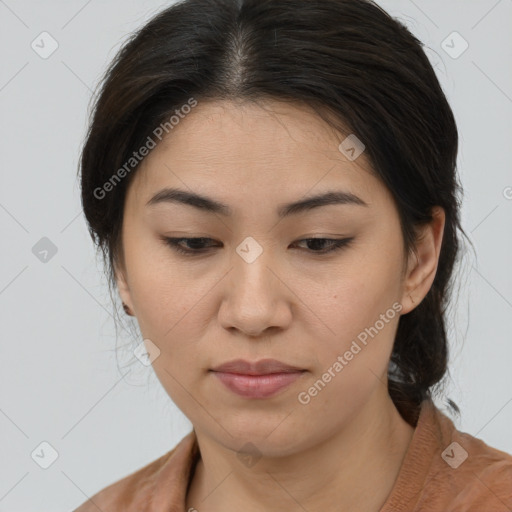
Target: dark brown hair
{"points": [[349, 60]]}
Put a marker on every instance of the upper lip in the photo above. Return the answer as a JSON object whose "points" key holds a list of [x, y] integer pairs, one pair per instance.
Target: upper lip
{"points": [[261, 367]]}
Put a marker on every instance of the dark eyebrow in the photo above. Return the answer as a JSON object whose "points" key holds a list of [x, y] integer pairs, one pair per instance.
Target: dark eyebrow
{"points": [[174, 195]]}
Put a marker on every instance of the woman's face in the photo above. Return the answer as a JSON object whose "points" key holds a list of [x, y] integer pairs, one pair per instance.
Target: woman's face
{"points": [[256, 288]]}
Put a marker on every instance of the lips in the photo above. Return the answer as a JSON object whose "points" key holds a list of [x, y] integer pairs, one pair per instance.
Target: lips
{"points": [[261, 379], [261, 367]]}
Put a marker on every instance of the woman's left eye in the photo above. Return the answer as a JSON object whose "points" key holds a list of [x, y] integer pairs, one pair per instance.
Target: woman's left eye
{"points": [[197, 244], [333, 243]]}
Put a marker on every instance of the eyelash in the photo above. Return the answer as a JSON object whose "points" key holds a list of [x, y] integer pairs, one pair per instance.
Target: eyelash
{"points": [[336, 245]]}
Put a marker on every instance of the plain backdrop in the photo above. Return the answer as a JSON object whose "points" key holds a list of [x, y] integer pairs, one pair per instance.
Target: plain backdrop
{"points": [[60, 381]]}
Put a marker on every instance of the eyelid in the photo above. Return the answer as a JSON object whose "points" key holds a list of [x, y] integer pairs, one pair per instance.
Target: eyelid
{"points": [[336, 245]]}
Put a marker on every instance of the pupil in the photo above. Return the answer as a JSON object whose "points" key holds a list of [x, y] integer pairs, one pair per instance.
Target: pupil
{"points": [[317, 243]]}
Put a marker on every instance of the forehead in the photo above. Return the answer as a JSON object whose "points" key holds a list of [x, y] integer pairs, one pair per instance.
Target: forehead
{"points": [[269, 129], [268, 149]]}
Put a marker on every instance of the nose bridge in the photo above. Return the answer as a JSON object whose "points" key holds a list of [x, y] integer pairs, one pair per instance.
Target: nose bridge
{"points": [[251, 300], [252, 261]]}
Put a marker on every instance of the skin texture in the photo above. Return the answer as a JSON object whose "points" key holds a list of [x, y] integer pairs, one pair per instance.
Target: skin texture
{"points": [[346, 445]]}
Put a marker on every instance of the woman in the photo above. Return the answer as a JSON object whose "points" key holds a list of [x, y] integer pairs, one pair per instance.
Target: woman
{"points": [[273, 185]]}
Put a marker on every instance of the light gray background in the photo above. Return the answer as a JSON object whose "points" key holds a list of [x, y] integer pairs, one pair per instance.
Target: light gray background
{"points": [[59, 378]]}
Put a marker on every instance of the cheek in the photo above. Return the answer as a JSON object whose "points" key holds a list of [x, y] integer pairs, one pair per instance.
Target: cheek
{"points": [[168, 306], [154, 285], [361, 309], [174, 309]]}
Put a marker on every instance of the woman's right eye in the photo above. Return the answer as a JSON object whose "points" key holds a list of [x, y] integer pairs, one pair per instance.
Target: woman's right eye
{"points": [[197, 245]]}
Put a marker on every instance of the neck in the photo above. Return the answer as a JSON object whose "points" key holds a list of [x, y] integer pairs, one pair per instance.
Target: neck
{"points": [[355, 468]]}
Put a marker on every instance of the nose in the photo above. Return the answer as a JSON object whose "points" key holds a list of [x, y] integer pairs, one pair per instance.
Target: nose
{"points": [[256, 297]]}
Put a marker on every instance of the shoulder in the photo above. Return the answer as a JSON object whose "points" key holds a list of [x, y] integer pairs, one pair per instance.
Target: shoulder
{"points": [[472, 475], [484, 477], [139, 489], [446, 469]]}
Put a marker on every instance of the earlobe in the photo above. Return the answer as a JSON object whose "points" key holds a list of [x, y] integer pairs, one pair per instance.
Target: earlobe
{"points": [[124, 291], [423, 262], [127, 310]]}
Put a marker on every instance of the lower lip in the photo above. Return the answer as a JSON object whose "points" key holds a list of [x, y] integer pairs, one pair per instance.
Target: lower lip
{"points": [[257, 386]]}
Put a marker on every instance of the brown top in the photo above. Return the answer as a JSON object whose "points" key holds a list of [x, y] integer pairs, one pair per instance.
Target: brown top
{"points": [[443, 470]]}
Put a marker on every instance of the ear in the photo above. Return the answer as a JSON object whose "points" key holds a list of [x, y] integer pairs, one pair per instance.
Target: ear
{"points": [[422, 263], [123, 287]]}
